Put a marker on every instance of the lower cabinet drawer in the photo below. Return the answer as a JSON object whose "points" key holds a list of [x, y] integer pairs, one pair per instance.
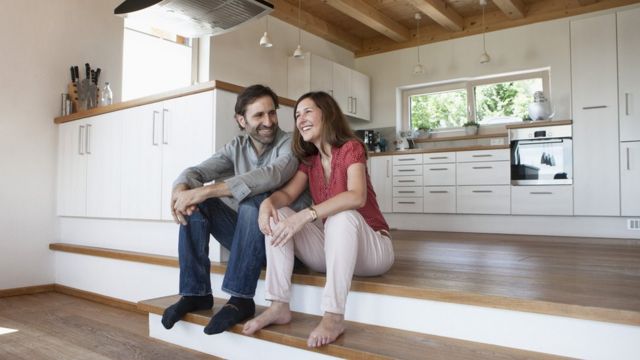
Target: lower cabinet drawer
{"points": [[407, 205], [484, 173], [409, 191], [407, 180], [439, 174], [483, 199], [542, 200], [440, 199]]}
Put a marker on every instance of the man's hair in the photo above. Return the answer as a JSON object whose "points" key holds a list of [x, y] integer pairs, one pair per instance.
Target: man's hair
{"points": [[251, 94], [335, 129]]}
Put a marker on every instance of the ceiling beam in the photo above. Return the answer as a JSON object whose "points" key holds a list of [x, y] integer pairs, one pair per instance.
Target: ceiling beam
{"points": [[587, 2], [441, 13], [368, 15], [289, 14], [514, 9]]}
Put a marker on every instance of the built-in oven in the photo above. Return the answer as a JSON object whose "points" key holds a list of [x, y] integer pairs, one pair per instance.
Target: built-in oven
{"points": [[541, 155]]}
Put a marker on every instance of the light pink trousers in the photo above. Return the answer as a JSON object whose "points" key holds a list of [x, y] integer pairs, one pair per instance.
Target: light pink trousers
{"points": [[344, 246]]}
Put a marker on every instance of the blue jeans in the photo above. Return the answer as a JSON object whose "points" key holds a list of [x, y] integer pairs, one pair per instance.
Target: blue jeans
{"points": [[236, 231]]}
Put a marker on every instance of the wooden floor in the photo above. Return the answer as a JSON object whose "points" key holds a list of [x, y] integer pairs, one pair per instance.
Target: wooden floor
{"points": [[57, 326]]}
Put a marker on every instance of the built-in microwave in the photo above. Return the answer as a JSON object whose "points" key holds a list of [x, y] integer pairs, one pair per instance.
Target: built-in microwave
{"points": [[541, 155]]}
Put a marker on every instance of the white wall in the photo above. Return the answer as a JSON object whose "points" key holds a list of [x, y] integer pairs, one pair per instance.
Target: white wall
{"points": [[41, 40], [236, 57]]}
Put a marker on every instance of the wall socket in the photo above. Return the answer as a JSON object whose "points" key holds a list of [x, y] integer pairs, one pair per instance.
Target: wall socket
{"points": [[633, 224]]}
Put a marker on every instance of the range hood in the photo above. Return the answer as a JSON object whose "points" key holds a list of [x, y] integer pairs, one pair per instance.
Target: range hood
{"points": [[194, 18]]}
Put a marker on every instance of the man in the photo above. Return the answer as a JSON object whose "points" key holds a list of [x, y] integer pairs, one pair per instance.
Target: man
{"points": [[253, 164]]}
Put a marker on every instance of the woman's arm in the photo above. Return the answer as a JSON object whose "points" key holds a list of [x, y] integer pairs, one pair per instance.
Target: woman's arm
{"points": [[283, 197]]}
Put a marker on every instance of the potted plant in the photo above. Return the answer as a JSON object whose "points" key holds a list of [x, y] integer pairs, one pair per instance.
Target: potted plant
{"points": [[471, 127]]}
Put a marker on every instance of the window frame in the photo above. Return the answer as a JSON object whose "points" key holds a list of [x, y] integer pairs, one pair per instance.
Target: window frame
{"points": [[469, 85]]}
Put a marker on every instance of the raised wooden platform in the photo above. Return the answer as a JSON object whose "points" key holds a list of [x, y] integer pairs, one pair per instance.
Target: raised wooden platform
{"points": [[585, 278], [359, 341]]}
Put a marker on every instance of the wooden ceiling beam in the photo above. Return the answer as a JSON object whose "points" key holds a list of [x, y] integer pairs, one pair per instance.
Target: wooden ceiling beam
{"points": [[514, 9], [289, 14], [371, 17], [440, 12], [586, 2]]}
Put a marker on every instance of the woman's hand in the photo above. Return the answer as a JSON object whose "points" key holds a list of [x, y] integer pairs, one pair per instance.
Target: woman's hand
{"points": [[266, 213], [285, 229]]}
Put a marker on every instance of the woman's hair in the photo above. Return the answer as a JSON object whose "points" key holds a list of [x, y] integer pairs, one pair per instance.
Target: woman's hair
{"points": [[335, 129]]}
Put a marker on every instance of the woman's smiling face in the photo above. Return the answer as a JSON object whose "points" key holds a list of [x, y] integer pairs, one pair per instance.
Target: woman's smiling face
{"points": [[309, 121]]}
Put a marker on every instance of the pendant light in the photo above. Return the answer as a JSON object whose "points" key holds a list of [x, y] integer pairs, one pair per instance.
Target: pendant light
{"points": [[298, 54], [418, 69], [265, 41], [484, 58]]}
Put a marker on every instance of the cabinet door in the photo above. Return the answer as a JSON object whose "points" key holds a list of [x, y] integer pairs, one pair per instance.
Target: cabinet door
{"points": [[298, 76], [321, 74], [595, 116], [360, 95], [630, 178], [542, 200], [141, 162], [186, 137], [72, 169], [342, 88], [103, 146], [380, 175], [629, 74]]}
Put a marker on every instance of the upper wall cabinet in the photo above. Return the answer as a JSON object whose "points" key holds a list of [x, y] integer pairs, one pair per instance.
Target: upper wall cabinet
{"points": [[629, 74], [595, 116], [349, 88]]}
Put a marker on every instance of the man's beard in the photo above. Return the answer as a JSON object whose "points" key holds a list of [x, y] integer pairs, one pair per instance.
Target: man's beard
{"points": [[264, 139]]}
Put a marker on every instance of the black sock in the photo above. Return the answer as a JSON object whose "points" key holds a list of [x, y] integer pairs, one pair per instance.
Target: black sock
{"points": [[186, 304], [234, 311]]}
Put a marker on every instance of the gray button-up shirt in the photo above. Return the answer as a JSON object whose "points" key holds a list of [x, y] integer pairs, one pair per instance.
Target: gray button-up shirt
{"points": [[246, 173]]}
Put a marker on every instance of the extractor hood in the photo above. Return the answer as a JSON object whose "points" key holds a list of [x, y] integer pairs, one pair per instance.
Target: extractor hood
{"points": [[194, 18]]}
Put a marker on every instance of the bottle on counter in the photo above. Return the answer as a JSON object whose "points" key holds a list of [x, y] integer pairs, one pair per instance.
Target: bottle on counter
{"points": [[106, 98]]}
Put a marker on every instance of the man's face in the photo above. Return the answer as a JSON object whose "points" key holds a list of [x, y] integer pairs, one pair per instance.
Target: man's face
{"points": [[260, 121]]}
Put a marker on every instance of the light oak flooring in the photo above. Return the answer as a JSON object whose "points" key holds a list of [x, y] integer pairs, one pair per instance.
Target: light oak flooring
{"points": [[61, 327]]}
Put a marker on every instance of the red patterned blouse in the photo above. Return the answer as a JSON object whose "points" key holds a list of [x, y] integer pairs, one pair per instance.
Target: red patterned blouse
{"points": [[342, 157]]}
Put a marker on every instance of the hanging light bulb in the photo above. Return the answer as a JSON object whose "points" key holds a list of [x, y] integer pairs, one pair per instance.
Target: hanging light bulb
{"points": [[484, 58], [265, 41], [418, 69], [298, 54]]}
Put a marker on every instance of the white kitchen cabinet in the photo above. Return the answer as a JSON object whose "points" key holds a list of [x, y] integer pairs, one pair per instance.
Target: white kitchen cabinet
{"points": [[483, 199], [341, 76], [313, 73], [159, 141], [89, 167], [630, 178], [439, 199], [483, 173], [360, 96], [629, 74], [439, 158], [381, 180], [407, 183], [542, 200], [595, 116], [483, 155], [439, 174]]}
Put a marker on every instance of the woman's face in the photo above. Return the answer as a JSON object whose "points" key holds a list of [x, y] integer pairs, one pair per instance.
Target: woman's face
{"points": [[309, 121]]}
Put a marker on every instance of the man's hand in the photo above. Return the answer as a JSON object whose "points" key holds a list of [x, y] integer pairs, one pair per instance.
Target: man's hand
{"points": [[182, 204]]}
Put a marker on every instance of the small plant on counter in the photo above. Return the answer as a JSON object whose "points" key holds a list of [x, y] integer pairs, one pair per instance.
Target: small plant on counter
{"points": [[471, 127]]}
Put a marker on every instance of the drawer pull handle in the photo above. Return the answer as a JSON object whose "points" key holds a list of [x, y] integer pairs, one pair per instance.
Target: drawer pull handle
{"points": [[482, 155], [408, 159], [540, 193], [406, 202], [438, 169], [406, 192], [482, 167], [437, 157], [438, 192], [406, 170], [482, 191], [406, 181], [594, 107]]}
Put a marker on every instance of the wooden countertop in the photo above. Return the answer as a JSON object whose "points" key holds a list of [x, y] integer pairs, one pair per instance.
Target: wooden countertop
{"points": [[198, 88], [448, 149], [538, 123]]}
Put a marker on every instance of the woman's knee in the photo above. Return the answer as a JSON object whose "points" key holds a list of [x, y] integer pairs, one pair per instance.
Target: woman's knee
{"points": [[347, 218]]}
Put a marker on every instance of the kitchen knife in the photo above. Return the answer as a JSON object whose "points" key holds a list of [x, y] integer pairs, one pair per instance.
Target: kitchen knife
{"points": [[98, 70], [73, 75], [87, 70], [76, 72], [93, 76]]}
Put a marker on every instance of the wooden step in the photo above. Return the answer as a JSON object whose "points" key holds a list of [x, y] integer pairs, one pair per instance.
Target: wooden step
{"points": [[360, 341]]}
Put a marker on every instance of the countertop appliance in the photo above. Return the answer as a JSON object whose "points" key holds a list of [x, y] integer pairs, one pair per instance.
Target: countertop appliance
{"points": [[194, 18], [541, 155]]}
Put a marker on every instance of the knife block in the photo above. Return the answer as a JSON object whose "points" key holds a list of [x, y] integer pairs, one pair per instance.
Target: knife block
{"points": [[72, 89]]}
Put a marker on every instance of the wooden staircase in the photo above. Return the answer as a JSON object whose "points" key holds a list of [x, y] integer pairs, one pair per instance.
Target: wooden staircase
{"points": [[448, 296]]}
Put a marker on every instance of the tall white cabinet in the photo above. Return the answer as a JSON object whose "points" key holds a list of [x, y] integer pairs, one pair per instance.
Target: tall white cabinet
{"points": [[629, 112], [595, 116], [380, 174]]}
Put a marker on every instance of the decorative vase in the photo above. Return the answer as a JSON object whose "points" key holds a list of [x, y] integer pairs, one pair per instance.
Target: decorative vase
{"points": [[471, 130], [540, 108]]}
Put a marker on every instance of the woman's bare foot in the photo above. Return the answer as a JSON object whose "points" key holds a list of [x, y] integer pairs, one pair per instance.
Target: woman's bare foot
{"points": [[331, 326], [277, 313]]}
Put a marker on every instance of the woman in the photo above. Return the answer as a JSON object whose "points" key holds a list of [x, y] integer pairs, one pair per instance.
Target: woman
{"points": [[354, 238]]}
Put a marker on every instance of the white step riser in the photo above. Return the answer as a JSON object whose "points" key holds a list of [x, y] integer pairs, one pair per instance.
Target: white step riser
{"points": [[226, 345], [543, 333]]}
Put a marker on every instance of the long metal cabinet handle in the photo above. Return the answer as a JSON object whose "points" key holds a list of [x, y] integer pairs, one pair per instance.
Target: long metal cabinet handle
{"points": [[438, 192], [88, 139], [437, 157], [406, 192], [80, 140], [540, 193], [406, 170], [482, 191], [626, 104], [355, 105], [406, 202], [407, 159], [388, 168], [153, 128], [482, 167], [165, 132], [438, 169], [628, 160], [594, 107], [406, 181], [482, 155]]}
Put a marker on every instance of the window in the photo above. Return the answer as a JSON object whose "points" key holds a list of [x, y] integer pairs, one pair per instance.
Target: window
{"points": [[154, 61], [495, 100]]}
